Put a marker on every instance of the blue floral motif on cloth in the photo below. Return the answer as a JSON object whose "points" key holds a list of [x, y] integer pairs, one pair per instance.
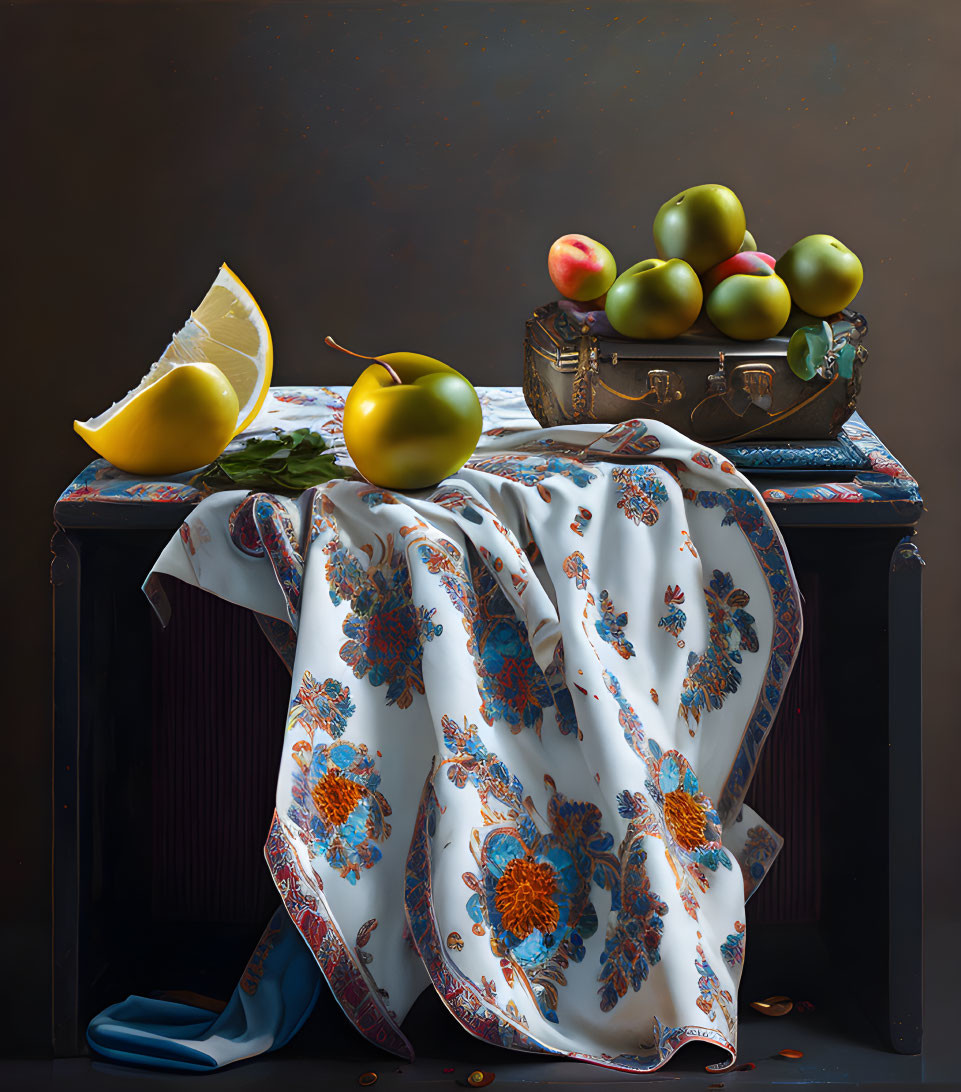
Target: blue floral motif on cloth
{"points": [[325, 705], [491, 717], [642, 493], [533, 470], [267, 518], [675, 620], [474, 764], [556, 676], [627, 717], [732, 949], [512, 687], [629, 440], [633, 946], [243, 530], [713, 997], [759, 850], [713, 674], [387, 632], [611, 627], [576, 568]]}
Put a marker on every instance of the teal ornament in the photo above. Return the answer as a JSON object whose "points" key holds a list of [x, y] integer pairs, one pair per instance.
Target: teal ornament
{"points": [[845, 356], [844, 351], [807, 348]]}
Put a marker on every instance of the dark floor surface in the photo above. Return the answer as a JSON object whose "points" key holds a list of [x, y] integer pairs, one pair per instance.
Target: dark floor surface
{"points": [[841, 1051]]}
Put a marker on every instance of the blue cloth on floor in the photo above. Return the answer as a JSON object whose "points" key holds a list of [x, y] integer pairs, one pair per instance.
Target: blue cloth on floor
{"points": [[274, 997]]}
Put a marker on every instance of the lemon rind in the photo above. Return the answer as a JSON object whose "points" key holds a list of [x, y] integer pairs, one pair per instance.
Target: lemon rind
{"points": [[226, 278]]}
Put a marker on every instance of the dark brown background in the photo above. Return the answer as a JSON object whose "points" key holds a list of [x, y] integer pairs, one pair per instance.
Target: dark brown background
{"points": [[393, 174]]}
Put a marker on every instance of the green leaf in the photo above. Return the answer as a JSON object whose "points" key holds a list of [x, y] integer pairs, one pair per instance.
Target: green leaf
{"points": [[287, 462]]}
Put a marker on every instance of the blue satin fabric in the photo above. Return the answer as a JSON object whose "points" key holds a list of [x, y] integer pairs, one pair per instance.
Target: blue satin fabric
{"points": [[274, 997]]}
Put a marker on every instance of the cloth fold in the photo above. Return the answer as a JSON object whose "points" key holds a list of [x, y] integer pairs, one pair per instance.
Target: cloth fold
{"points": [[525, 708], [274, 997]]}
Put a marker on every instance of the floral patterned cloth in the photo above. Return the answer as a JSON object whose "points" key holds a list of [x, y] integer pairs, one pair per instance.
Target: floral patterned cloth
{"points": [[525, 708]]}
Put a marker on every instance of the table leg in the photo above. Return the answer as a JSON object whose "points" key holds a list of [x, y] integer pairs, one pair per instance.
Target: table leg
{"points": [[905, 799], [65, 578]]}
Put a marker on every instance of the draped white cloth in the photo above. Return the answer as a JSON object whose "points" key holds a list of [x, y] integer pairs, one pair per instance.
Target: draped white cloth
{"points": [[525, 708]]}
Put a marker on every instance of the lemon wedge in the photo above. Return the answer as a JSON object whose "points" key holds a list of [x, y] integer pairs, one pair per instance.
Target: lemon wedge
{"points": [[208, 385], [181, 420]]}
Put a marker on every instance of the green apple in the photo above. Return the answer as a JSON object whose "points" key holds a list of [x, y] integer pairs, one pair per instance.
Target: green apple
{"points": [[702, 225], [654, 299], [749, 243], [821, 273], [750, 307], [409, 420]]}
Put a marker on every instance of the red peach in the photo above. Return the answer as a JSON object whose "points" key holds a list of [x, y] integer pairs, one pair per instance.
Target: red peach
{"points": [[581, 268], [745, 261]]}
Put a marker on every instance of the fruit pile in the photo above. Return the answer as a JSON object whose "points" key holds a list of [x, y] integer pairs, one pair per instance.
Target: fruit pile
{"points": [[706, 258]]}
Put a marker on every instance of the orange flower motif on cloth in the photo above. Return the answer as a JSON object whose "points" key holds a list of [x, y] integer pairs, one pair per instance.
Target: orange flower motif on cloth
{"points": [[691, 825], [685, 819], [337, 808], [523, 897], [535, 888], [336, 796]]}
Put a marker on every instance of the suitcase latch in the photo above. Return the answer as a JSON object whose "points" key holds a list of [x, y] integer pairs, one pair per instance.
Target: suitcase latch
{"points": [[752, 384], [666, 386], [717, 381]]}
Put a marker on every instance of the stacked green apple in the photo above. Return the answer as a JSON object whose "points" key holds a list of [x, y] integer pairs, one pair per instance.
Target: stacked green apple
{"points": [[708, 260]]}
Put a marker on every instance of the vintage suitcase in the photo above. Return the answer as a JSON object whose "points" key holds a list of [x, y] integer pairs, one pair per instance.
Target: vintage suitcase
{"points": [[711, 388]]}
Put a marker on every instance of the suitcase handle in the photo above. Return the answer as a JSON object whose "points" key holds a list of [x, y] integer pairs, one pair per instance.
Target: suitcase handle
{"points": [[663, 386], [773, 418]]}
